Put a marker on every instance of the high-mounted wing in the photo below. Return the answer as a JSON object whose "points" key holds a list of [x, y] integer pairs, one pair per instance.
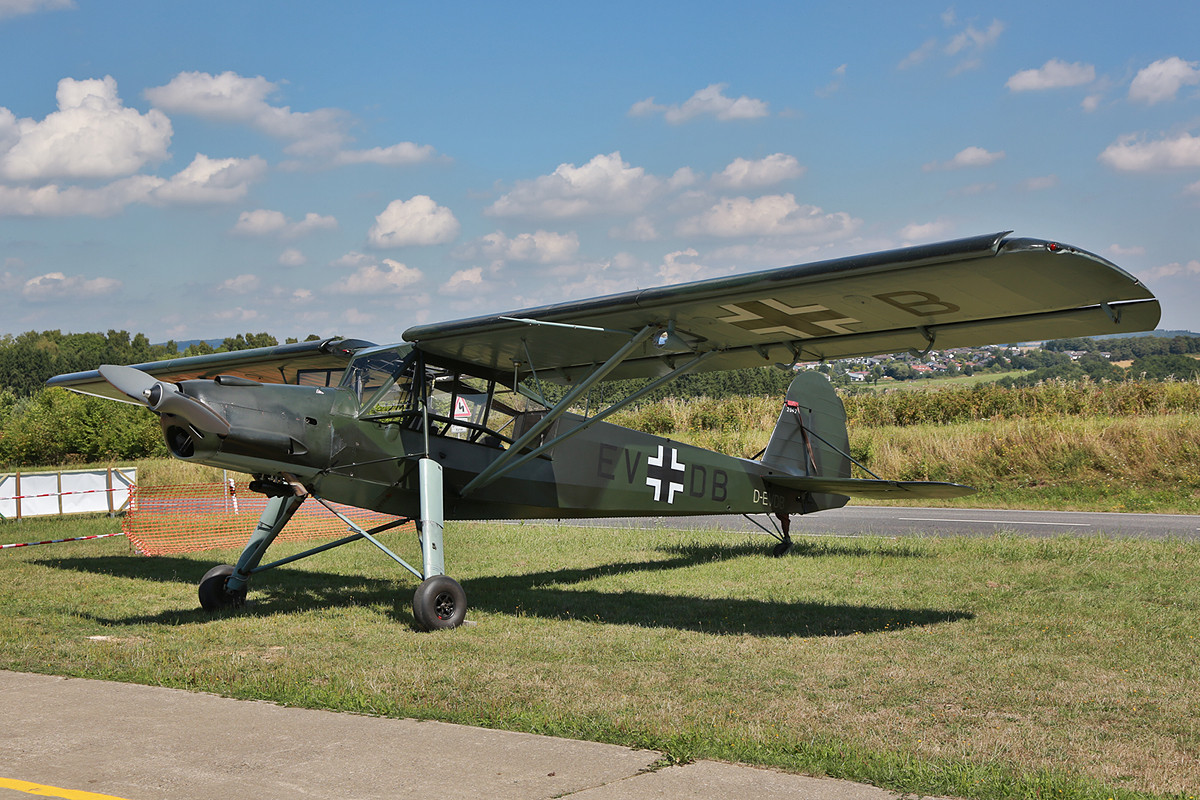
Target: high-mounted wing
{"points": [[968, 292], [317, 363]]}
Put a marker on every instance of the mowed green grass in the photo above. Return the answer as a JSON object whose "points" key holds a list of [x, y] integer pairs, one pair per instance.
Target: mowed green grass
{"points": [[998, 667]]}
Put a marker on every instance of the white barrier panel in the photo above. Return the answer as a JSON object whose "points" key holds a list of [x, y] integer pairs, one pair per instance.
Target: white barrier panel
{"points": [[77, 491]]}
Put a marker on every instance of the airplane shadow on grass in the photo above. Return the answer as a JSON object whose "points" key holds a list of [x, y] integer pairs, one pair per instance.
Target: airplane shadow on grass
{"points": [[539, 594]]}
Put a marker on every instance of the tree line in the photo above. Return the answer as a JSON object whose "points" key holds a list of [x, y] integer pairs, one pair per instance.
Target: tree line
{"points": [[28, 360], [1129, 348]]}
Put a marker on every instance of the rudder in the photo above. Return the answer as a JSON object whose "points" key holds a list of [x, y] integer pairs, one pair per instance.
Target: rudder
{"points": [[810, 437]]}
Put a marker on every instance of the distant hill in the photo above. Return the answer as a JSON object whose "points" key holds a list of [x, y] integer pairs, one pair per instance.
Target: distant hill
{"points": [[186, 343], [1159, 333]]}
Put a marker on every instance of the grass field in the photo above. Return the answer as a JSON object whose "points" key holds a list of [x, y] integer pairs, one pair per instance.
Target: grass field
{"points": [[985, 668]]}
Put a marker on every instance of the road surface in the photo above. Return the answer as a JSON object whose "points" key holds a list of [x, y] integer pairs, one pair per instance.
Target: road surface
{"points": [[861, 520]]}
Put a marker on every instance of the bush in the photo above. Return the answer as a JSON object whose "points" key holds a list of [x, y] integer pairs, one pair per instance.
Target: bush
{"points": [[55, 427]]}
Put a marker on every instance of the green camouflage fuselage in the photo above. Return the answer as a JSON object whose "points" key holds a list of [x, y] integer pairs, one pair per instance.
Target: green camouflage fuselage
{"points": [[314, 435]]}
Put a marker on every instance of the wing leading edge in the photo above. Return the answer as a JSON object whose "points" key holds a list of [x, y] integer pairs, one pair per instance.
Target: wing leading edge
{"points": [[968, 292]]}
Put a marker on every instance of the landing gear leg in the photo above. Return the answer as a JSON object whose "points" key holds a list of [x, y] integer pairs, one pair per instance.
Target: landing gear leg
{"points": [[225, 585], [439, 601], [785, 539]]}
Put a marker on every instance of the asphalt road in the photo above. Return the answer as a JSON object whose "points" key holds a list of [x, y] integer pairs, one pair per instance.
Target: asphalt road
{"points": [[863, 520]]}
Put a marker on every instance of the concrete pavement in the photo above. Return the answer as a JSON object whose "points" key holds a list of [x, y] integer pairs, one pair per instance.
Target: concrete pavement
{"points": [[94, 740]]}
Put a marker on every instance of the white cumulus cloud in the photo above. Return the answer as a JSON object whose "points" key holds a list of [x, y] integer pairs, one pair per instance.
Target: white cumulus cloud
{"points": [[388, 277], [212, 180], [241, 284], [1163, 79], [416, 221], [53, 200], [769, 215], [266, 222], [745, 174], [291, 257], [604, 185], [230, 97], [1135, 154], [1171, 270], [1054, 74], [464, 281], [91, 135], [1120, 252], [398, 155], [926, 231], [543, 247], [680, 267], [58, 286], [709, 101], [205, 180], [967, 157], [476, 282], [16, 8], [260, 222]]}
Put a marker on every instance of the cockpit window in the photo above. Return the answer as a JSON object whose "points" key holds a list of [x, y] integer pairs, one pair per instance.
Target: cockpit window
{"points": [[389, 386], [381, 381]]}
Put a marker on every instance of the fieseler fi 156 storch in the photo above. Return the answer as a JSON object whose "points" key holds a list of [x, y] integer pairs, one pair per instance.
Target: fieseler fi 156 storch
{"points": [[453, 423]]}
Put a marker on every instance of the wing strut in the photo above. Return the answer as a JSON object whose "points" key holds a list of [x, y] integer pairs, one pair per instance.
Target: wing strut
{"points": [[493, 470], [587, 423]]}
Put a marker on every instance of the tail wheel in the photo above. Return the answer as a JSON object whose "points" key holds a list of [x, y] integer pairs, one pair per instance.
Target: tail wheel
{"points": [[439, 603], [213, 595]]}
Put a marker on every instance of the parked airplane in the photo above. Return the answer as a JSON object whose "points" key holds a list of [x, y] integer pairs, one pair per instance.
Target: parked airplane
{"points": [[458, 421]]}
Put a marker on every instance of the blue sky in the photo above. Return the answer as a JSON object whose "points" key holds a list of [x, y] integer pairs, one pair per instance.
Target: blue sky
{"points": [[199, 170]]}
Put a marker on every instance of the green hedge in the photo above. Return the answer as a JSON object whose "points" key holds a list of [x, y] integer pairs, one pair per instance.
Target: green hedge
{"points": [[57, 427]]}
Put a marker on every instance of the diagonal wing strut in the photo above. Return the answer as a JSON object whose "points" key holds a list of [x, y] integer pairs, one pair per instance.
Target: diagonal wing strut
{"points": [[502, 464]]}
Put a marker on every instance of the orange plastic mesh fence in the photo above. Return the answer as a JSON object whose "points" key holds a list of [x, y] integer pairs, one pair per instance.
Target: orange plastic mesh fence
{"points": [[207, 516]]}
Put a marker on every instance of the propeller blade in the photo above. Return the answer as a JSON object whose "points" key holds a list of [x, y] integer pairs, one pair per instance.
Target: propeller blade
{"points": [[129, 381], [163, 398]]}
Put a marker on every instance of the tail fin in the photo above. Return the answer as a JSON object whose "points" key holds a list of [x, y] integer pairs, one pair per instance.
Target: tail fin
{"points": [[810, 437], [811, 447]]}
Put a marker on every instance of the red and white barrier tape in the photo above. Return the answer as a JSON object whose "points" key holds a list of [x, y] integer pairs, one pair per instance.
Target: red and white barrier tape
{"points": [[57, 541], [64, 494]]}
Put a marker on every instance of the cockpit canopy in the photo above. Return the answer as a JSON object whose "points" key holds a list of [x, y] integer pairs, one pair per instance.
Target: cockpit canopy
{"points": [[390, 384]]}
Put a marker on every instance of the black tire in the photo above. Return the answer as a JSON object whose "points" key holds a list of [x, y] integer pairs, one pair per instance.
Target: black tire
{"points": [[439, 603], [780, 550], [213, 596]]}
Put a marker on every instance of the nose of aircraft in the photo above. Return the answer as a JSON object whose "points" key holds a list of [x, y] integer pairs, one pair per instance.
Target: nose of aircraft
{"points": [[164, 398]]}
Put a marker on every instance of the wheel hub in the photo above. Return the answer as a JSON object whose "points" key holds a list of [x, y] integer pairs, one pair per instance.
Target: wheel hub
{"points": [[444, 605]]}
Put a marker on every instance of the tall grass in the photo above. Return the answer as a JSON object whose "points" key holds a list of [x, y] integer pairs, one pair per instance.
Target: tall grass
{"points": [[945, 406], [1048, 399]]}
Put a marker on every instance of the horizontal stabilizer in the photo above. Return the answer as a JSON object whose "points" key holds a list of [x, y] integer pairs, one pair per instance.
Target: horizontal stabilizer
{"points": [[872, 489]]}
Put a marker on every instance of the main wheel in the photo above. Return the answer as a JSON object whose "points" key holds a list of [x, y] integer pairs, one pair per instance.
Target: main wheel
{"points": [[780, 550], [213, 595], [438, 603]]}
